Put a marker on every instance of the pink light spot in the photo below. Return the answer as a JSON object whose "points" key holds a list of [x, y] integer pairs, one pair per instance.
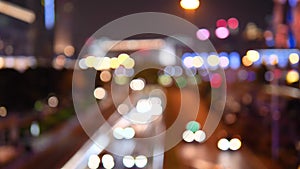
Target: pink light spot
{"points": [[203, 34], [222, 32]]}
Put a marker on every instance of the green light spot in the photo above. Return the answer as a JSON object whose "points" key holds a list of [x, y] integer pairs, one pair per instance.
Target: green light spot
{"points": [[181, 82], [165, 80], [38, 106], [121, 80], [193, 126]]}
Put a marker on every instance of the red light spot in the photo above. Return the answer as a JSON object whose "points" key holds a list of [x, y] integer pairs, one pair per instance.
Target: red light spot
{"points": [[221, 23], [233, 23], [277, 73], [216, 80]]}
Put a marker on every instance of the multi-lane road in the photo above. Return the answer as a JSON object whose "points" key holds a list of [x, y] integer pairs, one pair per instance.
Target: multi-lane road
{"points": [[69, 146]]}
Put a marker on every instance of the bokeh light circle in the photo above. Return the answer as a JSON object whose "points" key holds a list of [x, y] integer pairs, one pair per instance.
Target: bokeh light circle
{"points": [[222, 32], [203, 34], [292, 76], [233, 23], [192, 126], [221, 23], [190, 4], [200, 136]]}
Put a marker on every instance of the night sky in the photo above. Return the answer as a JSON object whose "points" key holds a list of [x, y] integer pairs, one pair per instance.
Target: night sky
{"points": [[89, 16]]}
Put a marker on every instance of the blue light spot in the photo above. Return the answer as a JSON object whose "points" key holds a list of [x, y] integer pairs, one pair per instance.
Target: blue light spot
{"points": [[270, 43], [223, 54], [283, 59], [234, 60], [293, 3], [186, 55], [49, 14]]}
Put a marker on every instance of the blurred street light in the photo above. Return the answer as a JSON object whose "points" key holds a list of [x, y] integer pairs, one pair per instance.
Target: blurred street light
{"points": [[17, 12], [190, 4]]}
